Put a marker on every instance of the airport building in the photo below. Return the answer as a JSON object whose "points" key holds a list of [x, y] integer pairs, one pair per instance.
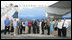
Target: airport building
{"points": [[35, 10]]}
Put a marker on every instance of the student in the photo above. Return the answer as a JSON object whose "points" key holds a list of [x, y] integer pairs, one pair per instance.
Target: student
{"points": [[51, 27], [55, 26], [42, 26], [59, 28], [45, 27], [33, 25], [18, 26], [23, 24], [26, 26], [48, 26], [64, 27], [15, 26], [7, 25], [37, 28], [29, 25], [11, 27]]}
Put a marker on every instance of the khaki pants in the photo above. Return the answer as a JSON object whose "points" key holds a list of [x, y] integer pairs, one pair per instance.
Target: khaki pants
{"points": [[40, 29], [15, 31], [26, 29]]}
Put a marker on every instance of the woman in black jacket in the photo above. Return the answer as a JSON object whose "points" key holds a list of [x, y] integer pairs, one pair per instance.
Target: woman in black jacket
{"points": [[43, 24], [34, 24], [11, 27]]}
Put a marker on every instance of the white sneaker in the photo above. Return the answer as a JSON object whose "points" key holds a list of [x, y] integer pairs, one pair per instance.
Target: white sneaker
{"points": [[14, 34]]}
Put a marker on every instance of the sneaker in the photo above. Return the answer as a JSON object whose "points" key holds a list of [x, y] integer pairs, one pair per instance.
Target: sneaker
{"points": [[14, 34]]}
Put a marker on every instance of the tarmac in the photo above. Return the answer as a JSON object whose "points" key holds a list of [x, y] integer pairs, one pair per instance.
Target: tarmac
{"points": [[36, 36]]}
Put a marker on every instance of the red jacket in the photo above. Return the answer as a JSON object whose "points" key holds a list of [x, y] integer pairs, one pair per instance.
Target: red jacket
{"points": [[29, 24]]}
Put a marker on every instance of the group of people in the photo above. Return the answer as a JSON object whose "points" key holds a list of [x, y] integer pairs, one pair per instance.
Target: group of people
{"points": [[38, 26]]}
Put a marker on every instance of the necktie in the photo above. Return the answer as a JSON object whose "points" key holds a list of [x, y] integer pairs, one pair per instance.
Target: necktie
{"points": [[63, 24]]}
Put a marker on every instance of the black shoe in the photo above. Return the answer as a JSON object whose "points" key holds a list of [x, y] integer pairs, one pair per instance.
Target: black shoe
{"points": [[48, 34], [42, 33], [37, 33], [4, 33], [28, 33]]}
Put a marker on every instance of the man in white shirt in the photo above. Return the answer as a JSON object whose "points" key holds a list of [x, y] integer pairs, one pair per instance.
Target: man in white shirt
{"points": [[59, 27], [40, 27], [64, 27], [23, 24], [15, 26]]}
